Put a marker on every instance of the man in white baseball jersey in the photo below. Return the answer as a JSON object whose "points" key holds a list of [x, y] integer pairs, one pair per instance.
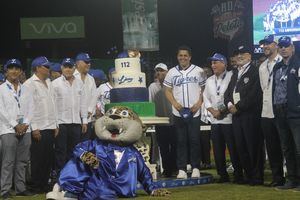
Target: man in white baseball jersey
{"points": [[184, 85], [71, 109]]}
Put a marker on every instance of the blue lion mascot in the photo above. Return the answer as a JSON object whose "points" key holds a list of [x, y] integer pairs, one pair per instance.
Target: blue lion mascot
{"points": [[109, 166]]}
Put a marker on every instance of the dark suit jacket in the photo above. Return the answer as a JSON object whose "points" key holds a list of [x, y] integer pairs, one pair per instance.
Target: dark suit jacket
{"points": [[250, 91]]}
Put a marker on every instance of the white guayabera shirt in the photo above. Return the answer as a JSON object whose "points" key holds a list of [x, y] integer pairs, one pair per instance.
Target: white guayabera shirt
{"points": [[70, 101], [39, 108]]}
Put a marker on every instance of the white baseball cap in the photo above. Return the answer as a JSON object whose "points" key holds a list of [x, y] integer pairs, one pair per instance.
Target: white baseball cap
{"points": [[161, 66]]}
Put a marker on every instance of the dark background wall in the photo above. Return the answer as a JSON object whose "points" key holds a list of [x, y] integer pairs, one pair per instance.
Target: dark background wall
{"points": [[180, 22]]}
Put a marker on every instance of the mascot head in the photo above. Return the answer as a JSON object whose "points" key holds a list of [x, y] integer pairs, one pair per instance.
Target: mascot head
{"points": [[119, 125]]}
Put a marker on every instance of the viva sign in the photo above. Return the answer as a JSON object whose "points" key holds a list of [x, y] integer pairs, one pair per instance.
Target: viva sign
{"points": [[228, 19], [52, 28]]}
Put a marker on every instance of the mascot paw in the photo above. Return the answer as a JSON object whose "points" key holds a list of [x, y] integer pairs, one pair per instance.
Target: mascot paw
{"points": [[161, 193], [90, 159]]}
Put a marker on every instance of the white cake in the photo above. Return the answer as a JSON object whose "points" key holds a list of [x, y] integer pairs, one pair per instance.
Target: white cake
{"points": [[128, 73]]}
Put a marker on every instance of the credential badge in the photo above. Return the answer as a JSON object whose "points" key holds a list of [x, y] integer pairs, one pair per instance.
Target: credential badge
{"points": [[246, 80]]}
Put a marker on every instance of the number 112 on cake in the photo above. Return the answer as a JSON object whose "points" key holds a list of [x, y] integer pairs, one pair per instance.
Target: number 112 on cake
{"points": [[125, 64]]}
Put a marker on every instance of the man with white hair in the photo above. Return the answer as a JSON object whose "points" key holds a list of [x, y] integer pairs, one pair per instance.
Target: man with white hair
{"points": [[83, 64], [221, 120], [243, 99]]}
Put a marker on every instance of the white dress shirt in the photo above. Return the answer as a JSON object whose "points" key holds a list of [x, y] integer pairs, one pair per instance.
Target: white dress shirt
{"points": [[10, 107], [90, 92], [70, 101], [266, 82], [213, 95], [103, 96], [39, 110], [153, 89], [241, 71]]}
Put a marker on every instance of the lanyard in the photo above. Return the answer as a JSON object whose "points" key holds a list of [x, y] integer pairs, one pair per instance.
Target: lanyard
{"points": [[244, 71], [219, 86], [239, 76], [270, 72], [283, 74], [16, 96]]}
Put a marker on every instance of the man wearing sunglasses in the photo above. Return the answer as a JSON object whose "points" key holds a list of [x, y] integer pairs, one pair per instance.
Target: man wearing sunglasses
{"points": [[286, 104], [83, 64], [40, 112]]}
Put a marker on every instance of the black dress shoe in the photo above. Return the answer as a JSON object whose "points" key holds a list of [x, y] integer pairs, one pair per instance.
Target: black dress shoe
{"points": [[25, 193], [288, 185], [6, 196], [239, 181], [255, 182], [223, 180], [276, 184]]}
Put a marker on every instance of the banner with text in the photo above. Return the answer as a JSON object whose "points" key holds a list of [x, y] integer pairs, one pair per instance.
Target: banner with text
{"points": [[52, 27], [232, 21], [140, 25]]}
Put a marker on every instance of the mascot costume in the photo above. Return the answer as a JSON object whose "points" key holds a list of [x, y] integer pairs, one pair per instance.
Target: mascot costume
{"points": [[108, 166]]}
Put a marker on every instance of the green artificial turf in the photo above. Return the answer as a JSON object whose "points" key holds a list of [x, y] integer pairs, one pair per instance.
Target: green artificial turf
{"points": [[218, 192]]}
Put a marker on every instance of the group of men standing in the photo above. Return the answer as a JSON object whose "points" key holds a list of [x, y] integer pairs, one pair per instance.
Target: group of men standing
{"points": [[57, 113], [251, 107]]}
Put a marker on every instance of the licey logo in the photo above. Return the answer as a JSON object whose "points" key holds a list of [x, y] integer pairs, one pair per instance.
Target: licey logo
{"points": [[228, 19]]}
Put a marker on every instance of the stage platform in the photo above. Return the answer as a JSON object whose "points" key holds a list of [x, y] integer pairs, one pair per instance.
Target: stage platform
{"points": [[161, 183], [171, 183]]}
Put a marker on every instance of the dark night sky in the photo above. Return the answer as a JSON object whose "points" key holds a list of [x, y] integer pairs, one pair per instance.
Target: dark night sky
{"points": [[180, 22]]}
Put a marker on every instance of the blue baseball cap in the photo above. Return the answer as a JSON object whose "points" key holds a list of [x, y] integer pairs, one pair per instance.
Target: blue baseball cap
{"points": [[40, 61], [285, 41], [84, 57], [98, 73], [186, 113], [268, 39], [123, 54], [12, 62], [2, 78], [56, 67], [218, 57], [111, 70], [68, 62]]}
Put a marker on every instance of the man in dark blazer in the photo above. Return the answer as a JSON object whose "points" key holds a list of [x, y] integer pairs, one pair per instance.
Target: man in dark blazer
{"points": [[243, 99]]}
